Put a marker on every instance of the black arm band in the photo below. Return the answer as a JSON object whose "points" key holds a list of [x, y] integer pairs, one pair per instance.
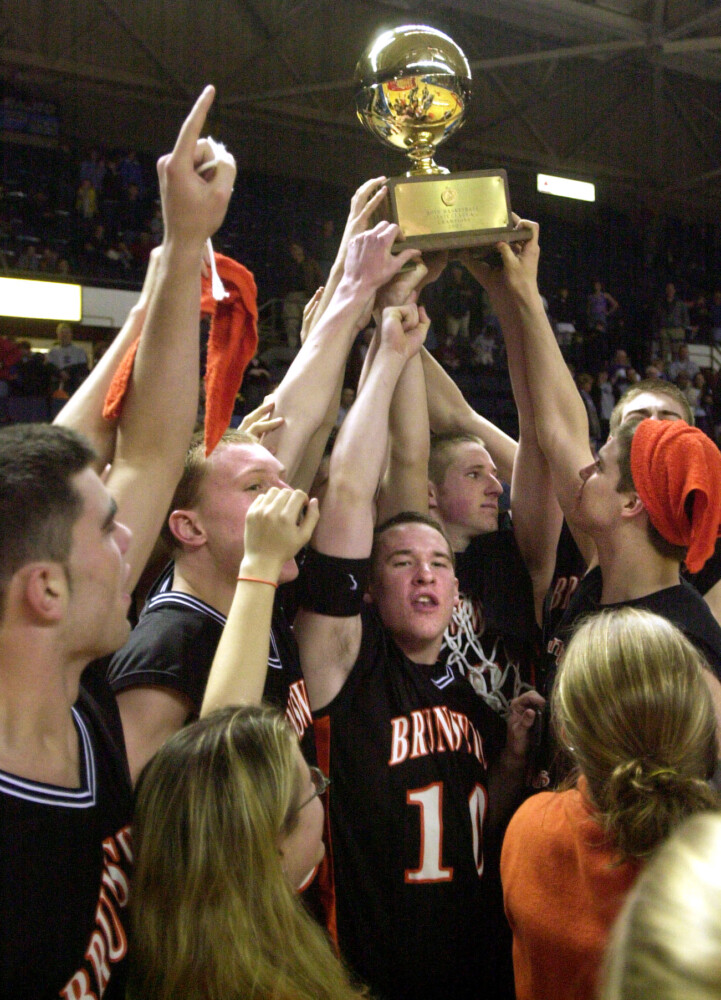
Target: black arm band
{"points": [[332, 586]]}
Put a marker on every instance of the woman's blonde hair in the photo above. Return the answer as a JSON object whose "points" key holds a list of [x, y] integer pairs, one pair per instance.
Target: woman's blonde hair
{"points": [[631, 707], [666, 944], [213, 914]]}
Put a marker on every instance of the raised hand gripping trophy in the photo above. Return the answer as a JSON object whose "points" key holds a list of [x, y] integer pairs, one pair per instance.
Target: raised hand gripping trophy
{"points": [[414, 84]]}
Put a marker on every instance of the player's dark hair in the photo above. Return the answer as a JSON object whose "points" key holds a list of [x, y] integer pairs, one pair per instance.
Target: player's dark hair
{"points": [[38, 502]]}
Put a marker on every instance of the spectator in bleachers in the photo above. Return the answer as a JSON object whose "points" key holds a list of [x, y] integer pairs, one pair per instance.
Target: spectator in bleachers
{"points": [[302, 277], [715, 314], [30, 376], [671, 321], [700, 318], [457, 300], [93, 170], [130, 171], [86, 202], [484, 347], [10, 355], [618, 371], [29, 259], [563, 311], [683, 364], [68, 359], [584, 381], [601, 305]]}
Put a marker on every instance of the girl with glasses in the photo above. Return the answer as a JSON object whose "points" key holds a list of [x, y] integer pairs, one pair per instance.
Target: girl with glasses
{"points": [[227, 828]]}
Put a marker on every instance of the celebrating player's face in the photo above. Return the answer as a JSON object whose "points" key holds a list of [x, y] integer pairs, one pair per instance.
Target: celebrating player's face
{"points": [[414, 588], [654, 405], [468, 496], [238, 474]]}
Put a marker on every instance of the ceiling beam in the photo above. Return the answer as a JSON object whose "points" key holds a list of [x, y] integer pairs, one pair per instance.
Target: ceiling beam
{"points": [[711, 43], [553, 17], [701, 23], [688, 121], [493, 63], [522, 116], [148, 49], [81, 71]]}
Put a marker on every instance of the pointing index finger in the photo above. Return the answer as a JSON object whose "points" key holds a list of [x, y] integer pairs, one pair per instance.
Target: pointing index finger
{"points": [[193, 124]]}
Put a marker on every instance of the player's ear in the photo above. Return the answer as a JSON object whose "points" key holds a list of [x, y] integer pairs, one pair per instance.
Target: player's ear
{"points": [[632, 505], [44, 589], [187, 528]]}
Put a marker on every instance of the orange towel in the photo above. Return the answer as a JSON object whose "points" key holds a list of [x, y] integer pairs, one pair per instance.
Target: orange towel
{"points": [[232, 343], [670, 460]]}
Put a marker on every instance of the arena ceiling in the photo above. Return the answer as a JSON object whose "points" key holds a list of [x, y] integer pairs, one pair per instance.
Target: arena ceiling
{"points": [[623, 92]]}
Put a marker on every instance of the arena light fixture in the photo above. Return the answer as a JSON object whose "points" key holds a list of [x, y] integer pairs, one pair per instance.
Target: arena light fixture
{"points": [[564, 187], [29, 299]]}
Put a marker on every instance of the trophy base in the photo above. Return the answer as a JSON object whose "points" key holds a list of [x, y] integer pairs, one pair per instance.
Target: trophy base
{"points": [[462, 211]]}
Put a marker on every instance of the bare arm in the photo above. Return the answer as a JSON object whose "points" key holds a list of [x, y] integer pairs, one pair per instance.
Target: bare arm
{"points": [[329, 646], [449, 412], [559, 413], [278, 524], [364, 203], [369, 265], [150, 716], [160, 407], [83, 412], [537, 517], [405, 483]]}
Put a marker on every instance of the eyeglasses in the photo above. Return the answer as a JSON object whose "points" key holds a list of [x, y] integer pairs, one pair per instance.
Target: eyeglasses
{"points": [[320, 784]]}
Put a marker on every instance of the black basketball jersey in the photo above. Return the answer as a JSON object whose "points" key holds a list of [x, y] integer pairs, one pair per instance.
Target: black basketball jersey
{"points": [[681, 604], [570, 568], [408, 748], [65, 865], [493, 638], [173, 646]]}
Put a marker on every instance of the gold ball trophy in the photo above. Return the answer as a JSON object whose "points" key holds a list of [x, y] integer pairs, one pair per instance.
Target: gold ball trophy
{"points": [[413, 89]]}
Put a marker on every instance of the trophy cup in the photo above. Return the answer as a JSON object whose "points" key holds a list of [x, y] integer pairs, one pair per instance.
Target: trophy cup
{"points": [[414, 84]]}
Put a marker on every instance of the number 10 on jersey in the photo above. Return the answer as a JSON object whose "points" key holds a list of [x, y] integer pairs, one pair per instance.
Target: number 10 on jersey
{"points": [[430, 802]]}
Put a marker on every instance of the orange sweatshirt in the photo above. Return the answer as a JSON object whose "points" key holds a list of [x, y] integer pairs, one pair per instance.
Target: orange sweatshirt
{"points": [[563, 887]]}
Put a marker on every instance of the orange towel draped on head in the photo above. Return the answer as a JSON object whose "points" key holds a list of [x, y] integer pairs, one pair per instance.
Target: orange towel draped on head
{"points": [[231, 345], [670, 460]]}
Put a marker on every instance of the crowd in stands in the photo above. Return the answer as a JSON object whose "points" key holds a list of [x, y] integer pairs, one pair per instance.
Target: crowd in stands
{"points": [[372, 733]]}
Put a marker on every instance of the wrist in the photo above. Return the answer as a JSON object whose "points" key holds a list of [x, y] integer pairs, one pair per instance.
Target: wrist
{"points": [[260, 567], [356, 287]]}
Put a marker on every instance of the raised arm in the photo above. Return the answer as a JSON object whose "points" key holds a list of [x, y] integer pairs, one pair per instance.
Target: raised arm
{"points": [[449, 412], [363, 205], [405, 483], [83, 412], [160, 407], [278, 524], [559, 413], [537, 517], [304, 395], [329, 645]]}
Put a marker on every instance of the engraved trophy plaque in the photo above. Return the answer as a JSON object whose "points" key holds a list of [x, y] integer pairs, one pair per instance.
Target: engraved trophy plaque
{"points": [[413, 89]]}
